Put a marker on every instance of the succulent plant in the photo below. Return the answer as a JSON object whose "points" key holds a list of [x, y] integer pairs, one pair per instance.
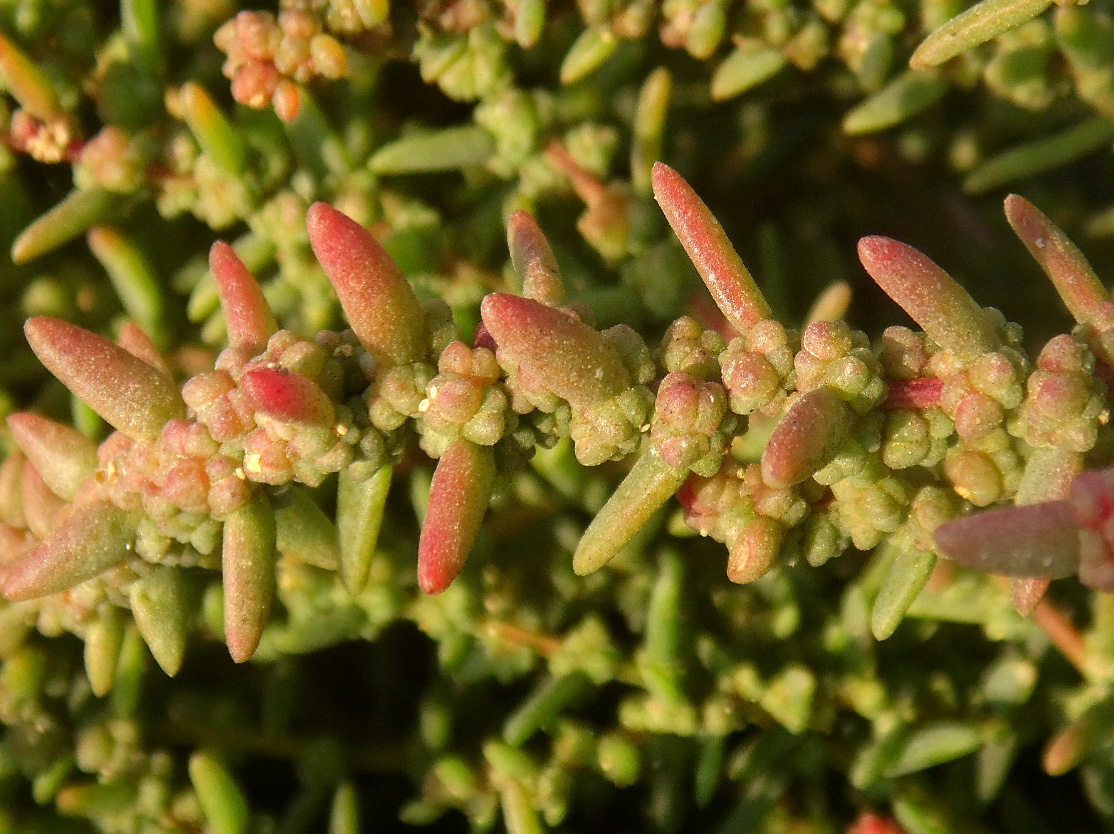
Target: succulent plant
{"points": [[423, 493]]}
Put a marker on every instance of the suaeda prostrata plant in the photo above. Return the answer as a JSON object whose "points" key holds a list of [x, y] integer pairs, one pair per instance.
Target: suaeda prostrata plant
{"points": [[899, 444]]}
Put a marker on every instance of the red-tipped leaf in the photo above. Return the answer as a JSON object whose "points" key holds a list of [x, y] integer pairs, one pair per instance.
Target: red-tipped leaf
{"points": [[934, 300], [287, 396], [249, 318], [533, 260], [126, 391], [728, 280], [566, 355], [95, 537], [248, 568], [807, 439], [458, 499], [64, 457], [378, 302], [1036, 540]]}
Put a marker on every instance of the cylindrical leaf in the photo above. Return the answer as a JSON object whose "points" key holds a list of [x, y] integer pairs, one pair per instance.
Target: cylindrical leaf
{"points": [[378, 302], [945, 310], [133, 278], [287, 396], [248, 316], [1070, 272], [64, 457], [977, 25], [74, 215], [1036, 540], [26, 82], [248, 567], [458, 499], [807, 438], [533, 260], [441, 150], [162, 604], [1041, 155], [126, 391], [907, 575], [649, 484], [221, 799], [730, 283], [212, 130], [361, 497], [566, 355], [303, 531], [95, 537], [901, 99]]}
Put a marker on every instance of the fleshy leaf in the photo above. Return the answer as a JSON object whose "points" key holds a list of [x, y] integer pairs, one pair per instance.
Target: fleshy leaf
{"points": [[222, 801], [95, 537], [288, 396], [73, 216], [906, 576], [303, 531], [26, 82], [1071, 274], [728, 280], [103, 641], [248, 566], [748, 66], [934, 300], [249, 319], [378, 302], [162, 604], [901, 99], [980, 23], [1036, 540], [63, 456], [594, 46], [132, 277], [139, 344], [649, 484], [532, 258], [649, 128], [1031, 158], [807, 438], [458, 499], [42, 507], [361, 497], [573, 360], [126, 391], [211, 128], [448, 149]]}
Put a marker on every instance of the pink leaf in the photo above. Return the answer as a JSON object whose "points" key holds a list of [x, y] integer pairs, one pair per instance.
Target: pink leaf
{"points": [[728, 280], [458, 499], [248, 315], [126, 391], [378, 301]]}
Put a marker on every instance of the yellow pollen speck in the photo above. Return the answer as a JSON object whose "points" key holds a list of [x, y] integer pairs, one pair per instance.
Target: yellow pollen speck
{"points": [[1104, 417], [645, 427], [254, 463], [423, 406], [341, 430], [239, 473], [963, 493], [703, 533]]}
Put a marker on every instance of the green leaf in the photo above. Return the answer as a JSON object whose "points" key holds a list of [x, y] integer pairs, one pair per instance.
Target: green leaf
{"points": [[977, 25]]}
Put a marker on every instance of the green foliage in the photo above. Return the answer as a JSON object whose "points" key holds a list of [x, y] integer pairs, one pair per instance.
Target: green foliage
{"points": [[535, 414]]}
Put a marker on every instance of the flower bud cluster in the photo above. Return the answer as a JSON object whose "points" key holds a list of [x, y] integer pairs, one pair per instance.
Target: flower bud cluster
{"points": [[267, 57], [692, 425], [1064, 403], [466, 399], [757, 367]]}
